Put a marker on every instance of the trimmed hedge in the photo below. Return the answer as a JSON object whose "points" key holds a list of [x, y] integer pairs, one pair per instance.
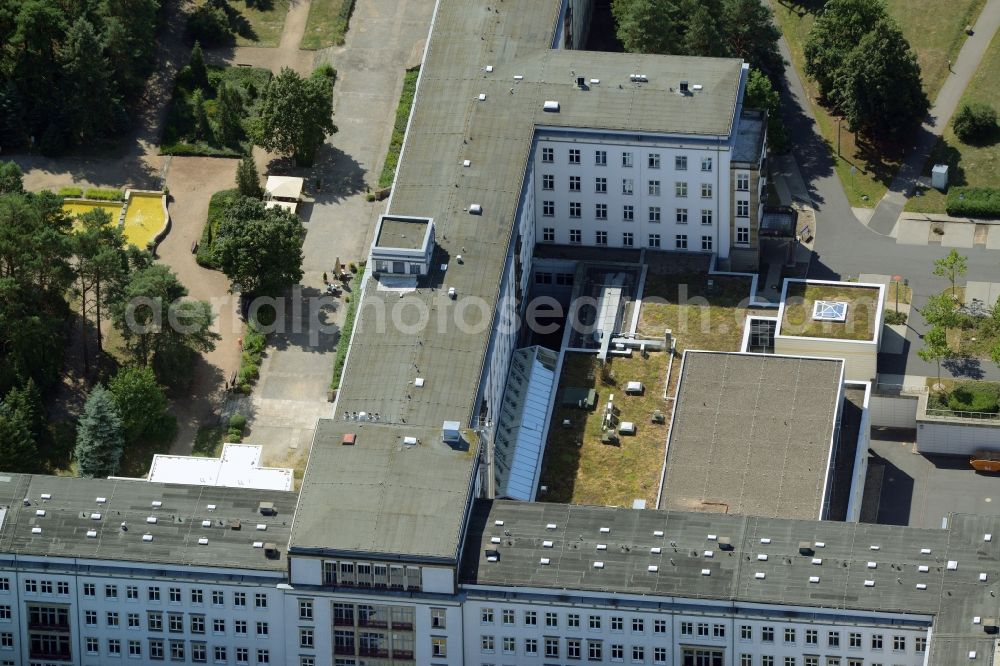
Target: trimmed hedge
{"points": [[72, 192], [974, 202], [217, 207], [101, 194], [399, 127]]}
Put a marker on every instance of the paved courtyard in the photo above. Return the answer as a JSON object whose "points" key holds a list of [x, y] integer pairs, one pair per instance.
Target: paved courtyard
{"points": [[907, 488]]}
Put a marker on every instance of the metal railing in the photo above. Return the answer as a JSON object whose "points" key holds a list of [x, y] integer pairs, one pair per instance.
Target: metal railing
{"points": [[981, 416]]}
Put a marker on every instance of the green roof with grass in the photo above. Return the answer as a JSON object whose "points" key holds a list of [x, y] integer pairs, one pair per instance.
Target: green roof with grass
{"points": [[799, 302]]}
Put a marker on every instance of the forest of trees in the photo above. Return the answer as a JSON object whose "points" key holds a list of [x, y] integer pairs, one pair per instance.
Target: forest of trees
{"points": [[48, 270], [71, 72]]}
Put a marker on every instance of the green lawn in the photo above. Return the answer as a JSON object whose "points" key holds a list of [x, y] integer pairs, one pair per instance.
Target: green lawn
{"points": [[178, 132], [975, 165], [578, 468], [399, 127], [935, 31], [265, 19], [327, 23]]}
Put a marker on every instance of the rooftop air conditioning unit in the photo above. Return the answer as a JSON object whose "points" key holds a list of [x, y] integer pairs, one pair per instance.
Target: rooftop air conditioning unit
{"points": [[684, 87]]}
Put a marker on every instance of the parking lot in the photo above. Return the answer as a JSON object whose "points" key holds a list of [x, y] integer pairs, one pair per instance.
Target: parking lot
{"points": [[908, 488]]}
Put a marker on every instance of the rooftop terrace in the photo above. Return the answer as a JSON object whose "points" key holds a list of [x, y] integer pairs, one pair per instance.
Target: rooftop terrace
{"points": [[752, 434]]}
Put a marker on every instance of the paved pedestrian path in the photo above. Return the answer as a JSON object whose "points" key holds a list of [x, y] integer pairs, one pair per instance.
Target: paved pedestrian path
{"points": [[888, 210]]}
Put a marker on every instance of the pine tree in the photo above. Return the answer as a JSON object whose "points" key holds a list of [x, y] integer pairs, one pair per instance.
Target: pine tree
{"points": [[200, 117], [247, 179], [90, 91], [197, 68], [18, 446], [229, 111], [100, 438]]}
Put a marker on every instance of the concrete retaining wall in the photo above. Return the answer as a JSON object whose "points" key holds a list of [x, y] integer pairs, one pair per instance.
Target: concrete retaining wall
{"points": [[893, 411]]}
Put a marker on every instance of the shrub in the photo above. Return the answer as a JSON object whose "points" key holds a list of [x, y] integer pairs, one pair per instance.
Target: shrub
{"points": [[975, 122], [893, 317], [237, 422], [101, 194], [217, 207], [974, 202], [344, 339], [234, 435], [974, 397], [71, 191]]}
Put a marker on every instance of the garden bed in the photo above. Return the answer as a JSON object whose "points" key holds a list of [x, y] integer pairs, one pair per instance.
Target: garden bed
{"points": [[179, 132], [399, 127]]}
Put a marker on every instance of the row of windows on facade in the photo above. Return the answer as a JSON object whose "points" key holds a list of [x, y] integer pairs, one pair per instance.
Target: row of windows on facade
{"points": [[653, 187], [638, 625], [593, 649], [654, 214], [153, 593], [575, 156], [653, 240], [695, 656], [367, 574], [177, 651], [196, 624], [855, 639]]}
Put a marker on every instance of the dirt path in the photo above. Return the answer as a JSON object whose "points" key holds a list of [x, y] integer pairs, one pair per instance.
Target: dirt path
{"points": [[197, 178]]}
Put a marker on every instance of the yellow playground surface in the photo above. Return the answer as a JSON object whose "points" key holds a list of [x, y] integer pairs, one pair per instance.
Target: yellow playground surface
{"points": [[144, 217], [75, 209]]}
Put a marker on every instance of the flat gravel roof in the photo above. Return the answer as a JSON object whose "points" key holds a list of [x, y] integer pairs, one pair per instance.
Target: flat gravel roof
{"points": [[752, 434]]}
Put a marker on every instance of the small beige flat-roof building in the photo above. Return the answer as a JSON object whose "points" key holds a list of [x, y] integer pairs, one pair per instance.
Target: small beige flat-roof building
{"points": [[832, 320]]}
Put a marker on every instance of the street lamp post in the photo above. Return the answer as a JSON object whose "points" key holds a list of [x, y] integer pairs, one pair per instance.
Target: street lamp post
{"points": [[838, 136]]}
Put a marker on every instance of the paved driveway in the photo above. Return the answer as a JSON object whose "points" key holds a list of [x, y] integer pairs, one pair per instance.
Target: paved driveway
{"points": [[386, 37]]}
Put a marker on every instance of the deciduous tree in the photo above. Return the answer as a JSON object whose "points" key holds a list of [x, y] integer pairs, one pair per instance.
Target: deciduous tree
{"points": [[935, 348], [141, 403], [295, 115], [837, 30], [878, 87], [260, 249], [159, 327], [951, 267]]}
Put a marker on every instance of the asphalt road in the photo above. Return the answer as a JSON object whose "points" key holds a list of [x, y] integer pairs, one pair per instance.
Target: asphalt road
{"points": [[845, 248]]}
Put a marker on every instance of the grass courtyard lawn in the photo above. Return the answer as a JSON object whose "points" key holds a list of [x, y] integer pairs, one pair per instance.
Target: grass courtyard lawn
{"points": [[327, 23], [179, 131], [861, 311], [595, 473], [265, 19], [603, 474], [208, 442], [974, 165], [935, 31], [697, 318], [399, 127]]}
